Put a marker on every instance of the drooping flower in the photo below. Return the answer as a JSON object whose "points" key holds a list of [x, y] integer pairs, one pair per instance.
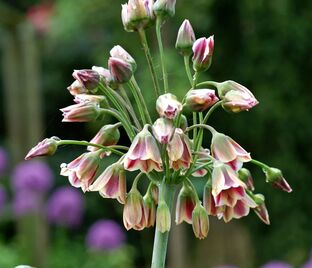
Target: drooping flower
{"points": [[149, 210], [111, 183], [137, 14], [185, 38], [82, 170], [81, 112], [168, 106], [120, 53], [200, 99], [261, 209], [120, 70], [105, 75], [46, 147], [163, 130], [65, 207], [236, 97], [105, 235], [32, 176], [179, 151], [275, 176], [88, 78], [200, 221], [163, 217], [226, 150], [245, 175], [143, 153], [185, 205], [203, 51]]}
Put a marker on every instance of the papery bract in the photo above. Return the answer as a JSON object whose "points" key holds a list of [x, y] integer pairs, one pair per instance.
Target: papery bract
{"points": [[111, 183], [203, 51], [168, 106], [143, 153], [82, 170], [226, 150], [200, 99], [179, 151]]}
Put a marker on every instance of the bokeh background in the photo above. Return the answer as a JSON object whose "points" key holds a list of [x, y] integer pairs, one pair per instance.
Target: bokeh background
{"points": [[265, 45]]}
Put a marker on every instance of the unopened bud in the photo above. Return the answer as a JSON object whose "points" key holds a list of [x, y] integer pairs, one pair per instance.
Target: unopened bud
{"points": [[200, 99], [261, 209], [81, 112], [200, 222], [245, 175], [275, 176], [120, 53], [88, 78], [45, 147], [163, 218], [164, 8], [203, 51], [149, 210], [185, 38], [183, 122], [107, 136], [120, 70], [77, 88], [163, 130], [168, 106]]}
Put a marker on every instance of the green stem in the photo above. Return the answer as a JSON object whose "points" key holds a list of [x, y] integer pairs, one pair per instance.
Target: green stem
{"points": [[149, 60], [138, 102], [194, 129], [161, 52], [85, 143], [208, 83], [211, 129], [211, 110], [161, 239], [141, 98], [260, 164], [187, 68]]}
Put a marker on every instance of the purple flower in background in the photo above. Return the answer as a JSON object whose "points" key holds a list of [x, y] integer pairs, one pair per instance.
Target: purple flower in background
{"points": [[2, 198], [65, 207], [34, 176], [308, 264], [105, 235], [3, 161], [26, 202], [226, 266], [276, 264]]}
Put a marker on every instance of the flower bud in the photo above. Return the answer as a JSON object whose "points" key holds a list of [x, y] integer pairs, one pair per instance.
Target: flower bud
{"points": [[81, 112], [133, 212], [200, 99], [168, 106], [275, 176], [203, 51], [163, 218], [107, 136], [120, 70], [105, 75], [236, 97], [185, 205], [245, 175], [119, 53], [183, 122], [90, 79], [149, 210], [200, 222], [185, 38], [164, 8], [163, 130], [261, 209], [45, 147], [137, 14], [154, 192], [99, 100], [77, 88]]}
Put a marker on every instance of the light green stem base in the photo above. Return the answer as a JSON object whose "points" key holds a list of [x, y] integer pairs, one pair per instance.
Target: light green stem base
{"points": [[161, 239]]}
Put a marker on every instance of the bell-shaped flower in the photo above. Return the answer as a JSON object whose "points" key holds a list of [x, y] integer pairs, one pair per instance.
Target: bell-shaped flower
{"points": [[149, 210], [120, 53], [163, 217], [226, 150], [164, 8], [45, 147], [90, 79], [261, 210], [133, 213], [106, 136], [199, 100], [209, 202], [143, 153], [81, 112], [77, 88], [200, 221], [163, 130], [179, 151], [120, 70], [168, 106], [186, 202], [203, 51], [111, 183], [137, 14], [236, 97], [185, 38], [82, 171], [275, 176]]}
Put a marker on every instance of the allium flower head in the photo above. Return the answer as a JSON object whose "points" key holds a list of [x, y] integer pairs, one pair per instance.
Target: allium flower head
{"points": [[168, 106], [65, 207], [277, 264], [32, 176], [143, 153], [26, 202], [105, 235]]}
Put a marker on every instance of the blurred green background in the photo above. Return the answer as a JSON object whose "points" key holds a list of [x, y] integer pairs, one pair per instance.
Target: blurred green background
{"points": [[265, 45]]}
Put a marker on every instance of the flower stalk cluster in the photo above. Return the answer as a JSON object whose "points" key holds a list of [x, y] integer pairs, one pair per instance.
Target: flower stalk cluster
{"points": [[167, 151]]}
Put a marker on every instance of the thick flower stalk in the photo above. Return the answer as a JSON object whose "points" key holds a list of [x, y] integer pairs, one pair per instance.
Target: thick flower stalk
{"points": [[166, 150]]}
